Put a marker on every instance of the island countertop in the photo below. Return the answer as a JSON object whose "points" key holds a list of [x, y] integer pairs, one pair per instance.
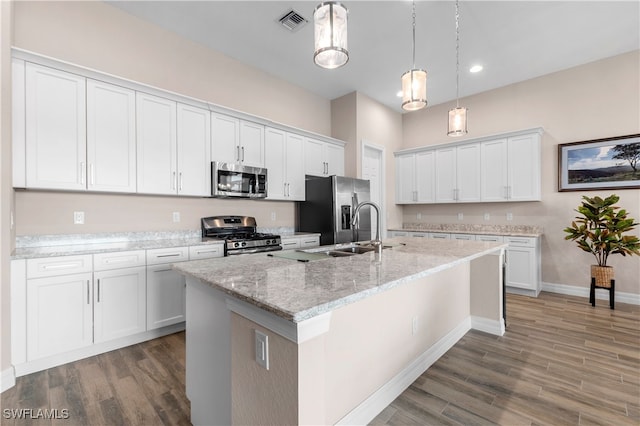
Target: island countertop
{"points": [[297, 291]]}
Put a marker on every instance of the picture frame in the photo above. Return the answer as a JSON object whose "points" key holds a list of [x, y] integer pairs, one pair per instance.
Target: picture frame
{"points": [[610, 163]]}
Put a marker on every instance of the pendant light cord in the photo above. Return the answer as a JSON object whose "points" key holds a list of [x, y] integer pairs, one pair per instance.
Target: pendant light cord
{"points": [[457, 55], [414, 34]]}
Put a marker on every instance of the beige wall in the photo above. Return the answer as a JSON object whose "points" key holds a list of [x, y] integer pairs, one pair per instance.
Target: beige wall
{"points": [[6, 192], [99, 36], [597, 100]]}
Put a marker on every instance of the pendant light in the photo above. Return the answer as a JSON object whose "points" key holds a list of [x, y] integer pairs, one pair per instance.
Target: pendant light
{"points": [[330, 34], [414, 81], [457, 115]]}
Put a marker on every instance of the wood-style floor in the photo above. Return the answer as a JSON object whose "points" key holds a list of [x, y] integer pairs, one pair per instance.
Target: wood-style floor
{"points": [[561, 362]]}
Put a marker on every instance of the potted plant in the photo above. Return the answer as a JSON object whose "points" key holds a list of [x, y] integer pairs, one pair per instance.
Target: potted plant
{"points": [[600, 230]]}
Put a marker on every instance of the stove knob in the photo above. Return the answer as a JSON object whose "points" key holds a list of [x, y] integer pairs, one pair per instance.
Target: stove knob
{"points": [[236, 244], [244, 244]]}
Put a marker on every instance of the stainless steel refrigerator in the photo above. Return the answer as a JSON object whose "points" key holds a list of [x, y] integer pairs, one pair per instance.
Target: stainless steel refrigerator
{"points": [[329, 205]]}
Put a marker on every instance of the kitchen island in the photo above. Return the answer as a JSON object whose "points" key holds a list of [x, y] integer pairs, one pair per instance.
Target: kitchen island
{"points": [[344, 335]]}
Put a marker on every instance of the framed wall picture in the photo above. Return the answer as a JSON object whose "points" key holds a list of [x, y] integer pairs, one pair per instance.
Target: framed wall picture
{"points": [[611, 163]]}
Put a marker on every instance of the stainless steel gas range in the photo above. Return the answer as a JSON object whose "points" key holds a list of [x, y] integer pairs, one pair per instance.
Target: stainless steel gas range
{"points": [[239, 234]]}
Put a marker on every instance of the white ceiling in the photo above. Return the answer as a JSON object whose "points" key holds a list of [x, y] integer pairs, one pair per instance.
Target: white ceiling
{"points": [[513, 40]]}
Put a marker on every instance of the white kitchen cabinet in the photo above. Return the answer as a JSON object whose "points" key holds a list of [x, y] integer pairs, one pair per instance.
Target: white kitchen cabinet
{"points": [[284, 160], [323, 158], [156, 144], [193, 155], [398, 234], [523, 265], [309, 241], [300, 242], [439, 236], [165, 287], [490, 238], [511, 168], [415, 178], [468, 172], [237, 141], [465, 237], [59, 314], [290, 243], [18, 123], [55, 129], [119, 303], [446, 175], [111, 138], [207, 251]]}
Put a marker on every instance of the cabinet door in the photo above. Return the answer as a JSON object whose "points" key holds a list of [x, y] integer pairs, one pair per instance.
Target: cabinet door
{"points": [[294, 162], [111, 137], [275, 145], [55, 129], [521, 267], [493, 172], [251, 144], [405, 179], [468, 172], [165, 296], [334, 157], [119, 298], [446, 175], [524, 168], [425, 180], [156, 145], [314, 163], [59, 314], [194, 158], [290, 243], [225, 138]]}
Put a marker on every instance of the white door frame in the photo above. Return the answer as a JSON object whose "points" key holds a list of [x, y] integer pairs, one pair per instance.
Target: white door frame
{"points": [[364, 145]]}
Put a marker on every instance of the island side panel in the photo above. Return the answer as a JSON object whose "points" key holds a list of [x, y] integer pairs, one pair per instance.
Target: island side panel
{"points": [[208, 354], [487, 283], [372, 341], [261, 396]]}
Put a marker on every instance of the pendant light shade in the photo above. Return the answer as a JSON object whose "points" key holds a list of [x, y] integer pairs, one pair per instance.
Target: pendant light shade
{"points": [[414, 81], [330, 31], [458, 115], [457, 121], [414, 90]]}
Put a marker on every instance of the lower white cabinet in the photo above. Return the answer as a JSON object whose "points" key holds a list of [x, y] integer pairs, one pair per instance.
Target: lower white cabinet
{"points": [[165, 287], [300, 241], [523, 264]]}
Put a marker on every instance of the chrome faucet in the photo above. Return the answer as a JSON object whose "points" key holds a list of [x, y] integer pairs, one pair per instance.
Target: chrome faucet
{"points": [[377, 243]]}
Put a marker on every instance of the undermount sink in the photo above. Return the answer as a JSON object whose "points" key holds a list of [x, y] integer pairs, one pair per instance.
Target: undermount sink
{"points": [[356, 249], [350, 250]]}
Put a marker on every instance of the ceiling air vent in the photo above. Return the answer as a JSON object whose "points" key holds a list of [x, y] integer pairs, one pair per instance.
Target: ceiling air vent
{"points": [[292, 20]]}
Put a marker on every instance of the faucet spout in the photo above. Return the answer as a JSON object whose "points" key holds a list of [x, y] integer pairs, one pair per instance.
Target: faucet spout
{"points": [[377, 242]]}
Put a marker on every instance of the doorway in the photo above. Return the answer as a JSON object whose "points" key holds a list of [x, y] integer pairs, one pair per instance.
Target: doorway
{"points": [[373, 170]]}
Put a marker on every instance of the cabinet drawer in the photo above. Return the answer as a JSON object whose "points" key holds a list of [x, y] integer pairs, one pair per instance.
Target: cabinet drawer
{"points": [[419, 234], [62, 265], [466, 237], [118, 260], [439, 236], [520, 241], [206, 252], [167, 255], [290, 243], [309, 242], [491, 238]]}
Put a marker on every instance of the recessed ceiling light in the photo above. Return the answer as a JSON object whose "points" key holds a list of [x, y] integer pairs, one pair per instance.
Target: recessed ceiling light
{"points": [[475, 68]]}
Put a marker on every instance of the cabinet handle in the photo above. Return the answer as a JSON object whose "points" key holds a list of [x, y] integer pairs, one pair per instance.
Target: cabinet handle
{"points": [[91, 174], [63, 266], [83, 172], [88, 300], [163, 270], [98, 291], [288, 190], [207, 251], [238, 153], [284, 189], [180, 180], [326, 165], [243, 153], [169, 255]]}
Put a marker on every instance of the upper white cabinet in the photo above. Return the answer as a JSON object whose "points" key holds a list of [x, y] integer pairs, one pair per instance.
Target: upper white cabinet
{"points": [[284, 161], [415, 178], [512, 168], [111, 137], [323, 158], [237, 141], [156, 144], [490, 169], [55, 129], [194, 158]]}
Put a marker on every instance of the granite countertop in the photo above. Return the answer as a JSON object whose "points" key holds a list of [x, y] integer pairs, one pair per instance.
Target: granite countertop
{"points": [[455, 228], [297, 291]]}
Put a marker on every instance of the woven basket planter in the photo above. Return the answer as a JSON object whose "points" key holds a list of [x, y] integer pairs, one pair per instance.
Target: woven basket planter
{"points": [[603, 275]]}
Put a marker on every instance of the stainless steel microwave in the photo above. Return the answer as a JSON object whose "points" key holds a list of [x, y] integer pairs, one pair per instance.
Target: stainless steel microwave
{"points": [[236, 180]]}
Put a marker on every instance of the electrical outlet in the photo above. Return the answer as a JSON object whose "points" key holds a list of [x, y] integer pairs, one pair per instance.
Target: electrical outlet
{"points": [[273, 215], [487, 216], [509, 216], [419, 216], [176, 216], [78, 218], [262, 349], [460, 216]]}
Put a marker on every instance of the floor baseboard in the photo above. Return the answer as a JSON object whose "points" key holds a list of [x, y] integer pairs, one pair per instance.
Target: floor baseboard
{"points": [[572, 290]]}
